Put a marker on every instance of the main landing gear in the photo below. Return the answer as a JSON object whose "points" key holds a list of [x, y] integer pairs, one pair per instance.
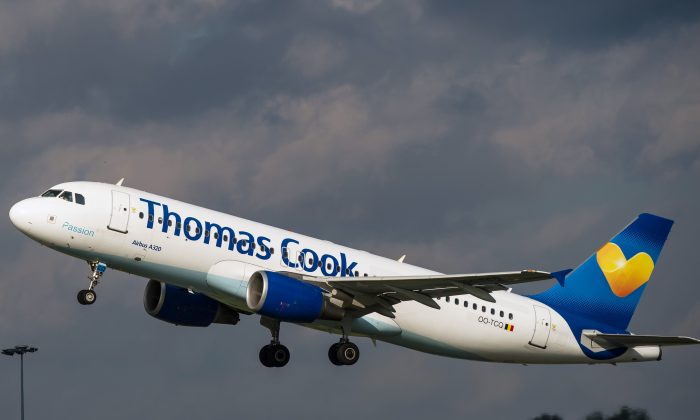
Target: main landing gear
{"points": [[274, 354], [344, 352], [88, 296]]}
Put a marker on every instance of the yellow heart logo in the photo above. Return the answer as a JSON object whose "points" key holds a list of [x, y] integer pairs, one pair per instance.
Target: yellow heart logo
{"points": [[624, 276]]}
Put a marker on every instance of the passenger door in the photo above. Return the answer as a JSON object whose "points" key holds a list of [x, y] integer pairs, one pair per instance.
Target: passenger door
{"points": [[540, 335], [119, 220]]}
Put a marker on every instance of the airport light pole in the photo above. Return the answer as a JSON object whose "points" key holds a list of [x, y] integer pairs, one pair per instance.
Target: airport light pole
{"points": [[20, 350]]}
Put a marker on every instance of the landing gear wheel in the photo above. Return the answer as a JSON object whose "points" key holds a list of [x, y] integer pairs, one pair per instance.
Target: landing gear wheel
{"points": [[279, 355], [87, 297], [274, 355], [265, 356], [347, 353], [333, 354]]}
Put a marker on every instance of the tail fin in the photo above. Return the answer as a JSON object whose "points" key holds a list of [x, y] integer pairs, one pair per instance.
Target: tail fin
{"points": [[604, 291]]}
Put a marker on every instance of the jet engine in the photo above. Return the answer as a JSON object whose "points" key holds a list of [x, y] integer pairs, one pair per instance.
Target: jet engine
{"points": [[182, 307], [281, 297]]}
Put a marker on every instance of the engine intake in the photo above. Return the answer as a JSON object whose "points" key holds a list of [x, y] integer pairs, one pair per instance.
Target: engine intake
{"points": [[181, 307], [281, 297]]}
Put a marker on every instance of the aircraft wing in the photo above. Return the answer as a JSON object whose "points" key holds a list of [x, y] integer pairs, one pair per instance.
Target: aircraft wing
{"points": [[631, 340], [379, 294]]}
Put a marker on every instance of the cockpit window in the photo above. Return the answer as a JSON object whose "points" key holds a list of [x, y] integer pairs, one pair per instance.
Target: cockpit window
{"points": [[51, 193], [79, 199], [66, 195]]}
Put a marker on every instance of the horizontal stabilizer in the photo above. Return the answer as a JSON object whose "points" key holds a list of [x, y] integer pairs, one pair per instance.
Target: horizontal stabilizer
{"points": [[627, 340]]}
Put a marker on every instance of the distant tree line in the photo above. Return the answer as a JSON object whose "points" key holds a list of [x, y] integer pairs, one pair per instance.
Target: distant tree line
{"points": [[625, 413]]}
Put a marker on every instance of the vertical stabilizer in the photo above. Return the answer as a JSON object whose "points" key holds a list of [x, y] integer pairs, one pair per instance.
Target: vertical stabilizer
{"points": [[603, 292]]}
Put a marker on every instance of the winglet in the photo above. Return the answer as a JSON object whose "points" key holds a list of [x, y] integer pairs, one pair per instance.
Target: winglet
{"points": [[403, 257], [119, 183], [561, 275]]}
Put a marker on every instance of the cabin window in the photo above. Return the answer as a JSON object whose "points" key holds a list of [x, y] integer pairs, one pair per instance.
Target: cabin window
{"points": [[206, 233], [66, 195], [140, 215], [178, 225], [197, 230], [456, 301], [299, 258], [483, 309], [225, 238], [447, 298], [160, 220], [311, 262], [501, 314], [357, 274], [328, 266], [474, 306], [80, 199], [51, 193], [216, 235], [272, 250], [365, 274], [150, 218], [170, 222], [466, 304], [493, 311], [510, 316]]}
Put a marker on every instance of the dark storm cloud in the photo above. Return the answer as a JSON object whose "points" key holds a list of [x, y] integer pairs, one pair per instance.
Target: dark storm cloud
{"points": [[472, 136], [570, 24]]}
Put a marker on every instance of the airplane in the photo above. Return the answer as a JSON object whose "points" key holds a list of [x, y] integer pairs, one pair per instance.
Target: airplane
{"points": [[209, 267]]}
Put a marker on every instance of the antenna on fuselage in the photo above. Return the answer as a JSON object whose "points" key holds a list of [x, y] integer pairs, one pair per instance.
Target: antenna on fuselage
{"points": [[119, 183], [403, 257]]}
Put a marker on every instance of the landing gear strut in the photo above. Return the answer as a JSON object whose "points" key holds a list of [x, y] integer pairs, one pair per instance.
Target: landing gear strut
{"points": [[88, 296], [273, 354], [344, 352]]}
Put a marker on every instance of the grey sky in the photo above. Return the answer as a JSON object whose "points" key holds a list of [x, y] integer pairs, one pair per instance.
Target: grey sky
{"points": [[472, 136]]}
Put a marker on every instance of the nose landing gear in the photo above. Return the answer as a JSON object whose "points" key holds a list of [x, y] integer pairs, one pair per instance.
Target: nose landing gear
{"points": [[88, 296]]}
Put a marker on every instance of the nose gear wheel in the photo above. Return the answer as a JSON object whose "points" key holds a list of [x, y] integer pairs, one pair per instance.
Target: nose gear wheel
{"points": [[88, 296]]}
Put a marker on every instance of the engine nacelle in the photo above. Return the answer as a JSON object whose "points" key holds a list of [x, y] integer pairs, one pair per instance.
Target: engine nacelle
{"points": [[181, 307], [278, 296]]}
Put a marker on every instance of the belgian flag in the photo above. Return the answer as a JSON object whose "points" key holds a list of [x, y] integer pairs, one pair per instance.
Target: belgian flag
{"points": [[509, 327]]}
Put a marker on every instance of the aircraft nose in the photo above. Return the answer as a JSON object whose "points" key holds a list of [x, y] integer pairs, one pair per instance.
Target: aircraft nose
{"points": [[19, 215]]}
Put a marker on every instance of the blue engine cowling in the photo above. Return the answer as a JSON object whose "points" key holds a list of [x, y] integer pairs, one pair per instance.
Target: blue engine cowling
{"points": [[281, 297], [181, 307]]}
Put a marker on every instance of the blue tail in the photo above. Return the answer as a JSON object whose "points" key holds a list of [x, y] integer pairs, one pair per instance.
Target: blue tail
{"points": [[603, 292]]}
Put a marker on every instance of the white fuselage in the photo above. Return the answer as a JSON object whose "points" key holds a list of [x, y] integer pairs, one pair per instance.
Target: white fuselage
{"points": [[514, 329]]}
